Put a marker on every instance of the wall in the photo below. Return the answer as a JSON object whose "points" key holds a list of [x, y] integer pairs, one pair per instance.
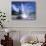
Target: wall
{"points": [[5, 6], [25, 26]]}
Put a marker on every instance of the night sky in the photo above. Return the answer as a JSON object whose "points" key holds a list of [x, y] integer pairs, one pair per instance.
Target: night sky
{"points": [[29, 6]]}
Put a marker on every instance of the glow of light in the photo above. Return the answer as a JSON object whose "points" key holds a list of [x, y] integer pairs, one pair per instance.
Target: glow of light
{"points": [[15, 8], [24, 16], [7, 30], [22, 6]]}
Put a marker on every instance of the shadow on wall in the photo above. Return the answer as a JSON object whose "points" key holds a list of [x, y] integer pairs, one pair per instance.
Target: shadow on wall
{"points": [[16, 43]]}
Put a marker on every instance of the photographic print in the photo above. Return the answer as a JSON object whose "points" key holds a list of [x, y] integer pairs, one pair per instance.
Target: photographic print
{"points": [[23, 10]]}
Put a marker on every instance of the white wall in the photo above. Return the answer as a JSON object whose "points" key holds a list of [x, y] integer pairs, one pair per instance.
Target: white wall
{"points": [[38, 24], [25, 26], [5, 5]]}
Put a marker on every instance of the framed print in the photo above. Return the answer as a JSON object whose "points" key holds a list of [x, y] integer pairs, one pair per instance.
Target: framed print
{"points": [[23, 10]]}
